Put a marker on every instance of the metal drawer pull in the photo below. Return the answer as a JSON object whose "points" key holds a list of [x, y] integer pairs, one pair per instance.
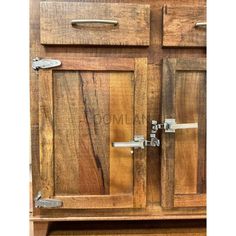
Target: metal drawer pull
{"points": [[96, 21], [201, 24]]}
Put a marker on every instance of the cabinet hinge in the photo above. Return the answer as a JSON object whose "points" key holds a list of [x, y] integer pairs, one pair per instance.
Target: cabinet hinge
{"points": [[46, 203], [44, 63]]}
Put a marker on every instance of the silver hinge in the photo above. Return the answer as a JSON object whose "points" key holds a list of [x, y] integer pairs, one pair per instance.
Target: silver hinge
{"points": [[170, 125], [44, 63], [46, 203]]}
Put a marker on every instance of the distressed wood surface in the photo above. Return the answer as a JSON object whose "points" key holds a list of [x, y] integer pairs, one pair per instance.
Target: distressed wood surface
{"points": [[121, 130], [140, 128], [183, 99], [155, 53], [97, 201], [188, 200], [94, 138], [46, 133], [84, 171], [179, 26], [133, 23], [167, 158]]}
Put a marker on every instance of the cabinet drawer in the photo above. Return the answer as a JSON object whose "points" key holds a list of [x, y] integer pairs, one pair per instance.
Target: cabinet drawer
{"points": [[180, 29], [74, 23]]}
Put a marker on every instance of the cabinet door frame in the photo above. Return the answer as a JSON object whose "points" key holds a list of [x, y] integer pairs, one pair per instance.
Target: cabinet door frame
{"points": [[168, 197], [46, 133]]}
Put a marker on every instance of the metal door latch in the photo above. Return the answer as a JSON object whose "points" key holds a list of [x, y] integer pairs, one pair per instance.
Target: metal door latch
{"points": [[170, 125], [139, 142], [46, 203], [44, 63]]}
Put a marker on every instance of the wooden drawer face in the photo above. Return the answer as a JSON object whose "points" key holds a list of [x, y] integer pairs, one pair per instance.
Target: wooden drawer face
{"points": [[133, 27], [179, 26]]}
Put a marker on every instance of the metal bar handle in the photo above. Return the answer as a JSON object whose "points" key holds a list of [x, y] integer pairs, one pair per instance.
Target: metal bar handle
{"points": [[170, 126], [201, 24], [138, 142], [96, 21], [184, 126], [131, 144]]}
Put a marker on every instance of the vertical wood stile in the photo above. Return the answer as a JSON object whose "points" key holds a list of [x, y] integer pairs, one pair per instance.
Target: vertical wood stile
{"points": [[168, 139], [46, 132], [140, 128]]}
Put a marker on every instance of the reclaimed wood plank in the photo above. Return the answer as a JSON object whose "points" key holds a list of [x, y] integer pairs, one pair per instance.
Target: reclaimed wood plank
{"points": [[140, 128], [179, 26], [133, 26], [121, 129], [46, 132]]}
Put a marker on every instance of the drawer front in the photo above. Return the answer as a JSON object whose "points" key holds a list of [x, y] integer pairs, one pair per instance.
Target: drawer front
{"points": [[108, 23], [179, 26]]}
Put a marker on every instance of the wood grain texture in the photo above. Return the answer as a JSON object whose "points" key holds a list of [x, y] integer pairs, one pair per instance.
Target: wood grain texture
{"points": [[202, 136], [133, 27], [153, 153], [40, 228], [167, 159], [121, 129], [140, 128], [97, 201], [186, 140], [46, 133], [179, 26], [94, 138], [188, 200], [66, 116], [183, 99], [96, 63]]}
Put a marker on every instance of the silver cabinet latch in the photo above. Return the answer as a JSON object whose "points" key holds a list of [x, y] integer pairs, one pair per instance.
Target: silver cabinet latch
{"points": [[169, 126], [44, 63], [46, 203], [138, 142]]}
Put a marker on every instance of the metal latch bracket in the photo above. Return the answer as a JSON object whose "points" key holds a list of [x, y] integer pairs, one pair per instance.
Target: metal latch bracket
{"points": [[46, 203], [45, 63]]}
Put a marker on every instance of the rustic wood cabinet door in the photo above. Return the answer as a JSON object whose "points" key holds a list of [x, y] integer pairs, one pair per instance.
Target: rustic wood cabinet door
{"points": [[183, 176], [84, 106]]}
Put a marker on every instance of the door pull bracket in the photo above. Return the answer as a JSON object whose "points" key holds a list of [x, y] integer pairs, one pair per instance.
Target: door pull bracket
{"points": [[46, 203]]}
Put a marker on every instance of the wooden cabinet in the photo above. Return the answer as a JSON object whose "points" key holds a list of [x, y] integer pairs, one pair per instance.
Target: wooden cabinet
{"points": [[184, 26], [118, 75], [85, 105]]}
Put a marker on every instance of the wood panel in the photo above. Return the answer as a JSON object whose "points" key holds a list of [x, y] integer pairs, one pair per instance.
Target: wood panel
{"points": [[179, 26], [97, 201], [121, 129], [46, 133], [133, 26], [186, 141], [183, 99], [66, 116], [140, 128], [94, 138]]}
